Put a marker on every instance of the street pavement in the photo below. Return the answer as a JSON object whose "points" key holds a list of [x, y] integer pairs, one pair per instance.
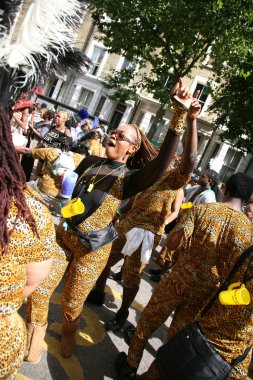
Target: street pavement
{"points": [[97, 349]]}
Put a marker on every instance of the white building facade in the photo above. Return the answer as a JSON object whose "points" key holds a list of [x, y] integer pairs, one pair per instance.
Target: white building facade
{"points": [[88, 91]]}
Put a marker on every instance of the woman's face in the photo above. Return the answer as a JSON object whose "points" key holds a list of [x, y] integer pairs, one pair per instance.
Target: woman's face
{"points": [[122, 143], [60, 119]]}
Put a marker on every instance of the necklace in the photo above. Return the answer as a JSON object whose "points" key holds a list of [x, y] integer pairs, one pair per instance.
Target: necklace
{"points": [[93, 183], [93, 178]]}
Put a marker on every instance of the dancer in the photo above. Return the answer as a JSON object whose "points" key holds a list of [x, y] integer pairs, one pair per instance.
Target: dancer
{"points": [[211, 237], [103, 183], [143, 226], [27, 244], [27, 240]]}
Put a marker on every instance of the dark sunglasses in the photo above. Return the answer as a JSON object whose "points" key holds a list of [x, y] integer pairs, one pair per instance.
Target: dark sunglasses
{"points": [[121, 137]]}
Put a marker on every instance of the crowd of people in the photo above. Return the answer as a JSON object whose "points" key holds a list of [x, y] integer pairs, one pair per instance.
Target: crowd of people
{"points": [[126, 195]]}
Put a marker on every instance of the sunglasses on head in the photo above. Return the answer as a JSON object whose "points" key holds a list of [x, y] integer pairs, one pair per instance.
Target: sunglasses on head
{"points": [[121, 137]]}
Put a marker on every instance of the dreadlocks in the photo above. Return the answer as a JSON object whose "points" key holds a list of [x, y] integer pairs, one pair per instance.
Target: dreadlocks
{"points": [[145, 153], [12, 183]]}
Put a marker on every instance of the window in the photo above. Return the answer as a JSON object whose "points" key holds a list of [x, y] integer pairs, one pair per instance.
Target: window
{"points": [[100, 105], [117, 116], [129, 65], [249, 169], [52, 88], [97, 56], [85, 98], [231, 161], [203, 93]]}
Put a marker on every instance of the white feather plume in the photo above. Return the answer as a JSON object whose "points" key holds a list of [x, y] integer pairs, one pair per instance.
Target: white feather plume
{"points": [[47, 30]]}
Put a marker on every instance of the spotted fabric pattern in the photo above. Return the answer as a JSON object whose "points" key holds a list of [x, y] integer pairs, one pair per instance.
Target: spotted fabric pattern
{"points": [[151, 208], [214, 237], [46, 182], [24, 248], [83, 267]]}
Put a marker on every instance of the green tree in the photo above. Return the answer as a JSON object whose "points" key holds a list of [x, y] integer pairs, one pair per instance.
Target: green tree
{"points": [[233, 106], [172, 37]]}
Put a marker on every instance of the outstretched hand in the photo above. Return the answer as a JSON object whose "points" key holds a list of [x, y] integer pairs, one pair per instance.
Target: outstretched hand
{"points": [[182, 91], [194, 110]]}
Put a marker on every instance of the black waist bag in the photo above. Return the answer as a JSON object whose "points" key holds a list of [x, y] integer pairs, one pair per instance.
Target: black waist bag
{"points": [[189, 356], [94, 240]]}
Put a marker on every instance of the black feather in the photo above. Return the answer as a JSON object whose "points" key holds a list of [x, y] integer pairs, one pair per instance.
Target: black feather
{"points": [[8, 12], [15, 81]]}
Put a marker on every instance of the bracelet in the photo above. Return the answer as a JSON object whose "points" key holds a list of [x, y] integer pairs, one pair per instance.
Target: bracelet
{"points": [[119, 213], [177, 123]]}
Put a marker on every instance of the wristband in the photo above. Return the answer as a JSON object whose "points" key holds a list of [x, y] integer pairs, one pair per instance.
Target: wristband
{"points": [[119, 213], [177, 123]]}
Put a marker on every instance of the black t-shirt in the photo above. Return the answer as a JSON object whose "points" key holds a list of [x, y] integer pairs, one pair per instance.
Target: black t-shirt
{"points": [[106, 173], [53, 139]]}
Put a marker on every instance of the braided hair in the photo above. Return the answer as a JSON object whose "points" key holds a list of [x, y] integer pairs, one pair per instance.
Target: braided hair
{"points": [[144, 154], [214, 177], [12, 183]]}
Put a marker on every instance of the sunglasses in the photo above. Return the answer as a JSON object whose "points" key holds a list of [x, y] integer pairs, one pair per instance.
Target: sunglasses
{"points": [[121, 137]]}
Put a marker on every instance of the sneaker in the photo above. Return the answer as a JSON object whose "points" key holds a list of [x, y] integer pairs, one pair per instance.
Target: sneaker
{"points": [[117, 276], [155, 278], [96, 298], [124, 370], [117, 322], [129, 333], [156, 272]]}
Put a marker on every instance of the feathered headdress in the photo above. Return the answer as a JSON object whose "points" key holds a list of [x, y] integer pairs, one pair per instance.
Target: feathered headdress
{"points": [[43, 47]]}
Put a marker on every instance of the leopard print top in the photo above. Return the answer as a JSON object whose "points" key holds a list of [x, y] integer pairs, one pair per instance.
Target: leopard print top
{"points": [[152, 207], [24, 248]]}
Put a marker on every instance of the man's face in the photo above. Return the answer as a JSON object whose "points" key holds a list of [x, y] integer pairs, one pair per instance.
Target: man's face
{"points": [[204, 180], [249, 211]]}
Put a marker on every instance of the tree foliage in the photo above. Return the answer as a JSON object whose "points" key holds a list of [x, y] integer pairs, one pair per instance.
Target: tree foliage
{"points": [[173, 37], [233, 105]]}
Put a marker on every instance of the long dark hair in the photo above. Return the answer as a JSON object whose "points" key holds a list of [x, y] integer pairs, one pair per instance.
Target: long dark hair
{"points": [[12, 183], [214, 178], [146, 153]]}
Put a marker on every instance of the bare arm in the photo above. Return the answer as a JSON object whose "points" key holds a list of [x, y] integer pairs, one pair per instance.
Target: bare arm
{"points": [[191, 140], [35, 274], [23, 121], [31, 126], [175, 208], [68, 133], [175, 240], [23, 150]]}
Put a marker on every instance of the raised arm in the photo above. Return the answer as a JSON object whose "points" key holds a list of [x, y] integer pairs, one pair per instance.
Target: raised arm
{"points": [[147, 176], [191, 141], [24, 118]]}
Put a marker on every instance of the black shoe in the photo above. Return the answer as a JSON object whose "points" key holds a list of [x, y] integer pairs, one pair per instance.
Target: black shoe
{"points": [[96, 298], [117, 322], [128, 333], [117, 276], [156, 272], [124, 370], [155, 278]]}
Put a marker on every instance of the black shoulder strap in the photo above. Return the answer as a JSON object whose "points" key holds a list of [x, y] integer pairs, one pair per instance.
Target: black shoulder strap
{"points": [[98, 204], [237, 265]]}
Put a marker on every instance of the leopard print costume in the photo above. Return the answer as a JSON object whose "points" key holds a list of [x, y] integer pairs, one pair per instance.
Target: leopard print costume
{"points": [[24, 248], [215, 235], [84, 266], [149, 211]]}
